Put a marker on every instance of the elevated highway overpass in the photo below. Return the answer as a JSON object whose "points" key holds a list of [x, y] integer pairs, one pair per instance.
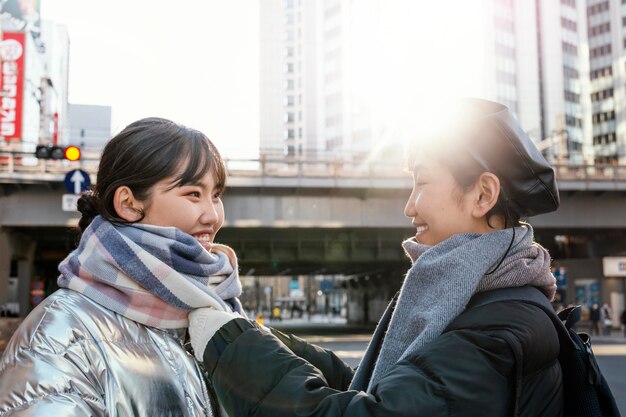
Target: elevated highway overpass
{"points": [[323, 216]]}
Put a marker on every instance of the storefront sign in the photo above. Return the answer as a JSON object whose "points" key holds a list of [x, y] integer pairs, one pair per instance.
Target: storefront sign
{"points": [[11, 85], [614, 266]]}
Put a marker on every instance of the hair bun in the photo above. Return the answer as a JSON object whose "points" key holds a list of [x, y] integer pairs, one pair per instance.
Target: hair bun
{"points": [[88, 206]]}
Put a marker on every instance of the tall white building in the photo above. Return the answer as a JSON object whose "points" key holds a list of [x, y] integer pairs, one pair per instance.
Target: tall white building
{"points": [[606, 20], [306, 103], [564, 84], [289, 96], [55, 49]]}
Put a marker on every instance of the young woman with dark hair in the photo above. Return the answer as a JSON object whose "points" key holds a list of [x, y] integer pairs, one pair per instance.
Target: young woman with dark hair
{"points": [[436, 351], [111, 341]]}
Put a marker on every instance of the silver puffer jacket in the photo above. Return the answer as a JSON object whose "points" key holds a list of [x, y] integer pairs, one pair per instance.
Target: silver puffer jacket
{"points": [[73, 357]]}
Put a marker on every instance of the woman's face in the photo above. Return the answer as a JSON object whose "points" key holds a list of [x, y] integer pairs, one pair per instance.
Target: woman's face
{"points": [[438, 207], [195, 209]]}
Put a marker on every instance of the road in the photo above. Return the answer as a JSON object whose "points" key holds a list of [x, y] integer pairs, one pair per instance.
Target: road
{"points": [[611, 356]]}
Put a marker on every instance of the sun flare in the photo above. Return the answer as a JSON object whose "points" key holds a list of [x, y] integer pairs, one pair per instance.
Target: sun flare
{"points": [[407, 65]]}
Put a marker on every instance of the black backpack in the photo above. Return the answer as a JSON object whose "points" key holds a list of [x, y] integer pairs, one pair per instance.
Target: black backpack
{"points": [[585, 391]]}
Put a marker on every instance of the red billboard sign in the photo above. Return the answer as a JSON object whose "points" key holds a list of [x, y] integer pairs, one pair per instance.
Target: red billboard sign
{"points": [[12, 51]]}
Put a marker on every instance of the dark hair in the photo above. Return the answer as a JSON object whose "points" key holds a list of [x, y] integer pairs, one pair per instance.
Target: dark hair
{"points": [[144, 153], [466, 170]]}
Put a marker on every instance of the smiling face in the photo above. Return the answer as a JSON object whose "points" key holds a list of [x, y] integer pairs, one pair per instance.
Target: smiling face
{"points": [[439, 208], [194, 208]]}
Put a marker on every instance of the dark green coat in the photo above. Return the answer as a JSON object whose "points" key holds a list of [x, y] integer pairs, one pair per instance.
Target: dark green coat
{"points": [[470, 370]]}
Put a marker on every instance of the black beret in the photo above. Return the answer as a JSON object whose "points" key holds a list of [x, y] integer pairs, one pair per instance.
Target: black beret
{"points": [[494, 138]]}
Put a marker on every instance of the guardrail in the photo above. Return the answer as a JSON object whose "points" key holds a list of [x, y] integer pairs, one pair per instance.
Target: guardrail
{"points": [[19, 164]]}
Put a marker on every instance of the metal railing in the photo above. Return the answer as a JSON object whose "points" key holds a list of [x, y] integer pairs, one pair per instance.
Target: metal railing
{"points": [[19, 164]]}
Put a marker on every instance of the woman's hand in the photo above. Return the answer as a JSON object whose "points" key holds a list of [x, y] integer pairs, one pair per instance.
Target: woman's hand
{"points": [[203, 324]]}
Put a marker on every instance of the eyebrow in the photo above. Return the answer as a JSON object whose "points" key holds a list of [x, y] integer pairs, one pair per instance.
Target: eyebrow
{"points": [[217, 186]]}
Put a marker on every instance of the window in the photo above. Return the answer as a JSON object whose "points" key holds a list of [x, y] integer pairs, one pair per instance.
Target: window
{"points": [[603, 117], [602, 95], [504, 24], [568, 24], [597, 8], [600, 51], [569, 72], [601, 72], [573, 121], [604, 139], [572, 97], [290, 117], [599, 29], [606, 160], [569, 48], [505, 77], [575, 146], [505, 51]]}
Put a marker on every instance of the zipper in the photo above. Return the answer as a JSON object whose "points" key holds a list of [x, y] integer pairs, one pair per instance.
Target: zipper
{"points": [[594, 376]]}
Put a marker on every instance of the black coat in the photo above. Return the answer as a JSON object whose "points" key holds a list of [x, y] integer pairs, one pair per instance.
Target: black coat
{"points": [[470, 370]]}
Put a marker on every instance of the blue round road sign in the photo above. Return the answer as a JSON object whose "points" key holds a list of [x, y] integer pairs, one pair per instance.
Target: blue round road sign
{"points": [[77, 181]]}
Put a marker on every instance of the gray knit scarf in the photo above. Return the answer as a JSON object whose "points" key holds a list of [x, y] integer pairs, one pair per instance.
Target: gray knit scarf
{"points": [[441, 282]]}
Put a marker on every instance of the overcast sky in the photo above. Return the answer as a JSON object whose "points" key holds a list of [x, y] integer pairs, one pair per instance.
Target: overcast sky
{"points": [[195, 62]]}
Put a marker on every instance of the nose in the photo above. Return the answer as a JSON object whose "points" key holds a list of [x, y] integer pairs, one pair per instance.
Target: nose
{"points": [[210, 214], [409, 208]]}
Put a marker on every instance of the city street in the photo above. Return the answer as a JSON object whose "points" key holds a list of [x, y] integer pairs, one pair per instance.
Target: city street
{"points": [[610, 352]]}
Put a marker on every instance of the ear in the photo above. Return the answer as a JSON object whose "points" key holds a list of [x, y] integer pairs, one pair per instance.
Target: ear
{"points": [[126, 205], [486, 192]]}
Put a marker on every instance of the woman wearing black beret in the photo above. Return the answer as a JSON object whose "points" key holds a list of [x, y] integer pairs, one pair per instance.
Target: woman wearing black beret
{"points": [[436, 350]]}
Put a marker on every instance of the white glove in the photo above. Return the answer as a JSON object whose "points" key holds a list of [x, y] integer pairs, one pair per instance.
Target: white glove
{"points": [[203, 324]]}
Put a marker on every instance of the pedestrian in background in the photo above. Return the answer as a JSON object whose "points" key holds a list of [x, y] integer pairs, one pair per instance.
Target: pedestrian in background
{"points": [[430, 355], [594, 319], [111, 341], [607, 319], [623, 320]]}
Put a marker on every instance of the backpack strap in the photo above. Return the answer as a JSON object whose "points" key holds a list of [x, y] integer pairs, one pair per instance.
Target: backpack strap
{"points": [[529, 295]]}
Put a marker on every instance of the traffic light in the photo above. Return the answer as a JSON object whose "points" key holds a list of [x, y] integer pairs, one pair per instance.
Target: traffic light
{"points": [[71, 153]]}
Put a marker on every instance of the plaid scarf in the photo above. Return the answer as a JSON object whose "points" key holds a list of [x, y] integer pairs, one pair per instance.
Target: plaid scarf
{"points": [[150, 274]]}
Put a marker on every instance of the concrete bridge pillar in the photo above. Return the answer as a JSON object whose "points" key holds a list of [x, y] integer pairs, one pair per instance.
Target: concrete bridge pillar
{"points": [[5, 265], [19, 248], [25, 273]]}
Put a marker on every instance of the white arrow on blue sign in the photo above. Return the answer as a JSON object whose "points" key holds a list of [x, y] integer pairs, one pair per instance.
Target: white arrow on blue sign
{"points": [[77, 181]]}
